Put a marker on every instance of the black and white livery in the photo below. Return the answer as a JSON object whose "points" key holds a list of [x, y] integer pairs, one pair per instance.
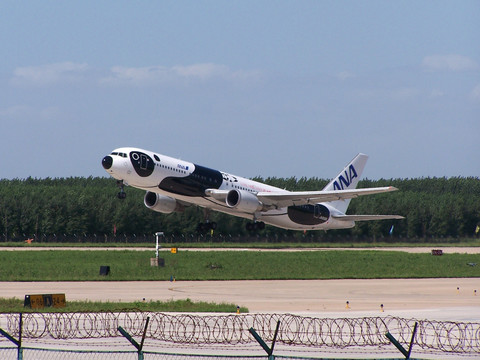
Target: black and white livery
{"points": [[172, 184]]}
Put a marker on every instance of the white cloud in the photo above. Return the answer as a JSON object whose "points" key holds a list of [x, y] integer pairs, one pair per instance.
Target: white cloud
{"points": [[28, 114], [344, 75], [68, 72], [14, 112], [405, 93], [49, 74], [137, 76], [448, 63], [437, 93], [150, 75], [475, 93], [202, 71]]}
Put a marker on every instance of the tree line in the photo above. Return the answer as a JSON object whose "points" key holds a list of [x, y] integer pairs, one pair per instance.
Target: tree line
{"points": [[87, 208]]}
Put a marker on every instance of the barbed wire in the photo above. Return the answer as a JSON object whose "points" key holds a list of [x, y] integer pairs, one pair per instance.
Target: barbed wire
{"points": [[445, 336]]}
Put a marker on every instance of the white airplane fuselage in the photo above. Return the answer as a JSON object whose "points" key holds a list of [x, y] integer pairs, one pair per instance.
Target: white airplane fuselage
{"points": [[171, 184]]}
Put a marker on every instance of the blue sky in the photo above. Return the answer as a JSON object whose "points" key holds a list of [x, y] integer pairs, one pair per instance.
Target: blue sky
{"points": [[254, 88]]}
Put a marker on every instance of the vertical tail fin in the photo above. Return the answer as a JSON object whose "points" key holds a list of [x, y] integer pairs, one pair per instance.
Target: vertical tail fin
{"points": [[347, 179]]}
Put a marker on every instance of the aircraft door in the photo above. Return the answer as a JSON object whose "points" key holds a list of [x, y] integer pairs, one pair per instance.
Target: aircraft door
{"points": [[143, 161]]}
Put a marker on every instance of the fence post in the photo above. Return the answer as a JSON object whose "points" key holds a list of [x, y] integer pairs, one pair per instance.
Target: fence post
{"points": [[394, 341], [268, 350], [18, 342], [129, 337]]}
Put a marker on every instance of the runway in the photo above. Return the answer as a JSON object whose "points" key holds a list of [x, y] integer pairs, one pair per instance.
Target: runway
{"points": [[437, 299]]}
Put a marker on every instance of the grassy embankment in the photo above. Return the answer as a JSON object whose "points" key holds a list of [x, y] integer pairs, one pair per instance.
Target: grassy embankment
{"points": [[49, 265], [16, 305], [435, 243]]}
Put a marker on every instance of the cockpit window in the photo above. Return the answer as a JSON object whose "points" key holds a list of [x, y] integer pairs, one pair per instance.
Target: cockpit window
{"points": [[156, 158], [119, 154]]}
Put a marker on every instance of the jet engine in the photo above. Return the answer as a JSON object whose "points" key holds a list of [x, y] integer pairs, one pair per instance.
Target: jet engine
{"points": [[162, 204], [243, 201]]}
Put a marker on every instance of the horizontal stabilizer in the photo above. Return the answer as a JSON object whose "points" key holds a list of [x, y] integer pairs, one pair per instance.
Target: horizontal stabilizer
{"points": [[366, 217]]}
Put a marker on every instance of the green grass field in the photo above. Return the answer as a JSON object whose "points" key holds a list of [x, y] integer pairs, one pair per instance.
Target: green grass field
{"points": [[16, 305], [435, 243], [62, 265]]}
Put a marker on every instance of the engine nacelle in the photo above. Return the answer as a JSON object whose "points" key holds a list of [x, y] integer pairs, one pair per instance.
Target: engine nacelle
{"points": [[243, 201], [162, 204]]}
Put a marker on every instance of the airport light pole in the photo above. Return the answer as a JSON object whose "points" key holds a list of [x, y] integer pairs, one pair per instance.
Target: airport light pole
{"points": [[157, 246]]}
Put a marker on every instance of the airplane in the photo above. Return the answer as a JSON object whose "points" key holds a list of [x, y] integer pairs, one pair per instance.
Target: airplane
{"points": [[172, 184]]}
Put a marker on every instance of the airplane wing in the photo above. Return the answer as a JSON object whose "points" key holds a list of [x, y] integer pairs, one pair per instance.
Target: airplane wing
{"points": [[284, 199], [295, 198]]}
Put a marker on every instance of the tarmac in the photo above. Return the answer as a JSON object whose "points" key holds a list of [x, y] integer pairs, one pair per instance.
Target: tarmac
{"points": [[456, 299]]}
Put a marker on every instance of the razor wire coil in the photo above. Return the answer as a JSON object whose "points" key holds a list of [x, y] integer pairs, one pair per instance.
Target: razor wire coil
{"points": [[445, 336]]}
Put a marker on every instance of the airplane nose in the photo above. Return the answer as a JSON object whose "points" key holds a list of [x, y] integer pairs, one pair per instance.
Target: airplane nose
{"points": [[107, 162]]}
